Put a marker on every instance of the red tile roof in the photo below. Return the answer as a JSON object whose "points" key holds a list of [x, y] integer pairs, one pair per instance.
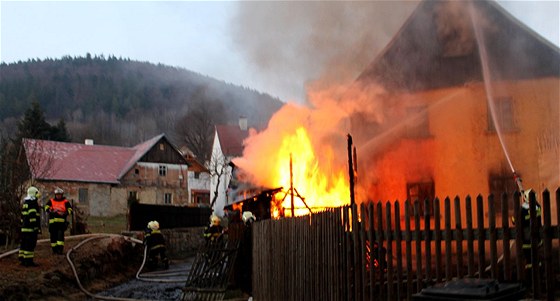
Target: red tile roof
{"points": [[231, 139], [63, 161]]}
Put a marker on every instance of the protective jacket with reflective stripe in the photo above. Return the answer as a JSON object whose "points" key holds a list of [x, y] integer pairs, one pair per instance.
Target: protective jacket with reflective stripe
{"points": [[30, 215], [58, 210]]}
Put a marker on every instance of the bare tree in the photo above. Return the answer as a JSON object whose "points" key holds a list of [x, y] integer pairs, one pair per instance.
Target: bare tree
{"points": [[218, 167], [196, 128]]}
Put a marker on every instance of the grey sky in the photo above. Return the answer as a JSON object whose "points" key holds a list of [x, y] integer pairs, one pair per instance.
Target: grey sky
{"points": [[196, 35]]}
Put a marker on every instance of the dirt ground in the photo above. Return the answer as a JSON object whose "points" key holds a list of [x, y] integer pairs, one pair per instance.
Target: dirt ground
{"points": [[100, 263]]}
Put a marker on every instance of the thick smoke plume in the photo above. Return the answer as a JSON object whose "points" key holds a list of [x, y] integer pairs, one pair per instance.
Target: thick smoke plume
{"points": [[324, 42]]}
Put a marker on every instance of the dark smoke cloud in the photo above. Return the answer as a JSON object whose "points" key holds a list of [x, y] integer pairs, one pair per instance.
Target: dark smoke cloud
{"points": [[293, 43]]}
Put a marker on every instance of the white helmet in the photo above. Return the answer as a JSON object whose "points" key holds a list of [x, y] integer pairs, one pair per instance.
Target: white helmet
{"points": [[33, 192], [215, 220], [58, 190], [248, 217], [154, 225]]}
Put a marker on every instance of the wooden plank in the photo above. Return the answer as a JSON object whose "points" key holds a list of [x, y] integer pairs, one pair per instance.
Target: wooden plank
{"points": [[470, 237], [363, 250], [535, 241], [408, 238], [389, 251], [506, 237], [459, 239], [371, 237], [418, 243], [549, 273], [480, 226], [398, 244], [492, 229], [448, 238], [379, 234], [437, 235], [518, 237], [427, 242]]}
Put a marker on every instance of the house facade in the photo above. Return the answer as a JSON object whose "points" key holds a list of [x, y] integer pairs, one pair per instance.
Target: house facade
{"points": [[228, 144], [102, 180], [470, 95]]}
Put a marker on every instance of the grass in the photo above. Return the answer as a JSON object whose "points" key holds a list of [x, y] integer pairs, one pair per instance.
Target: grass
{"points": [[103, 224]]}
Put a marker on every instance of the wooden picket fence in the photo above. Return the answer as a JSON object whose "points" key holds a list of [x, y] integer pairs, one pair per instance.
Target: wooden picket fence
{"points": [[330, 255]]}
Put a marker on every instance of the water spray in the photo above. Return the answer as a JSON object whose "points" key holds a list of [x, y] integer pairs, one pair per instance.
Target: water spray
{"points": [[490, 96]]}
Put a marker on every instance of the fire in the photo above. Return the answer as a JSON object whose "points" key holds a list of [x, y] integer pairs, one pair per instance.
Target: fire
{"points": [[315, 137], [318, 187]]}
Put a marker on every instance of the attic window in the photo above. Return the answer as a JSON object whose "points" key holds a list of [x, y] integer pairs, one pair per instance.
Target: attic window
{"points": [[162, 170], [161, 146]]}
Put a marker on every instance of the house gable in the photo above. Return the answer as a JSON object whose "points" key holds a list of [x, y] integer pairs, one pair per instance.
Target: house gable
{"points": [[437, 48]]}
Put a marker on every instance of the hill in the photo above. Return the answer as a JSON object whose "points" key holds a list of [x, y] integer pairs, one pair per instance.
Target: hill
{"points": [[118, 101]]}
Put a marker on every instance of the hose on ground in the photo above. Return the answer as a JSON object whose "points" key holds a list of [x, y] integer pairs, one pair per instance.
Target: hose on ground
{"points": [[89, 294], [161, 280]]}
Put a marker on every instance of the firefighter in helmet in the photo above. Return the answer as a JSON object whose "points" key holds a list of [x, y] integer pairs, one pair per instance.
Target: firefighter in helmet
{"points": [[30, 228], [526, 225], [215, 230], [155, 242], [58, 209]]}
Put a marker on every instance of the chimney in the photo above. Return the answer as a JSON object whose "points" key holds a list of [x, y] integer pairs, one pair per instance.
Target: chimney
{"points": [[243, 123], [88, 142]]}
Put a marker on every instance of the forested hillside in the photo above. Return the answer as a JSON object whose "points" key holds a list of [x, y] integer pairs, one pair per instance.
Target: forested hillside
{"points": [[122, 102]]}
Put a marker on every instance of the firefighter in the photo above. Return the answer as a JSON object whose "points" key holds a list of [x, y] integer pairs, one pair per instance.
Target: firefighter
{"points": [[526, 225], [155, 242], [30, 228], [215, 230], [245, 261], [58, 209]]}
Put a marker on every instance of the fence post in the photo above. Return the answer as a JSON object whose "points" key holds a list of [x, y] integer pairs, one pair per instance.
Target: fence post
{"points": [[506, 231], [418, 241], [448, 237], [481, 235], [437, 226], [492, 229], [548, 246], [518, 238], [398, 240], [389, 252], [459, 242], [535, 241], [371, 236], [427, 242], [470, 237], [379, 234], [408, 249]]}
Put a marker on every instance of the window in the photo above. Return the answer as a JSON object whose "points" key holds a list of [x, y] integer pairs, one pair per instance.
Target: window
{"points": [[421, 192], [162, 170], [497, 185], [503, 108], [83, 196], [167, 198], [197, 175], [161, 146], [133, 196], [136, 171], [417, 122]]}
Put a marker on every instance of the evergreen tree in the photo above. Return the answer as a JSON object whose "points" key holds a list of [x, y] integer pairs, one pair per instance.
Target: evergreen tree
{"points": [[59, 132], [33, 124]]}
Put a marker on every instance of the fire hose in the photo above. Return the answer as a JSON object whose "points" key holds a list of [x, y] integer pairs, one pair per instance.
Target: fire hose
{"points": [[90, 237]]}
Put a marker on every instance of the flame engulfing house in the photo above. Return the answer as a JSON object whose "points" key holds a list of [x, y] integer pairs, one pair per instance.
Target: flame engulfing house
{"points": [[463, 95], [469, 95]]}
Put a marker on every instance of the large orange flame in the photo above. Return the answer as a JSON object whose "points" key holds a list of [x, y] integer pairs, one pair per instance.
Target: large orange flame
{"points": [[314, 185]]}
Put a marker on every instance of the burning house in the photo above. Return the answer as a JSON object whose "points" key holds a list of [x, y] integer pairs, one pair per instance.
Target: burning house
{"points": [[462, 96]]}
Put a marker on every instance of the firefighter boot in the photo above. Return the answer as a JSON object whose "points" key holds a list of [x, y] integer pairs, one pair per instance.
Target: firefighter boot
{"points": [[28, 262]]}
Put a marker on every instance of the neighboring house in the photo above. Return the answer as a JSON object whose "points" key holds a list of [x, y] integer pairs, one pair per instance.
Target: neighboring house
{"points": [[199, 182], [103, 179], [437, 137], [228, 144]]}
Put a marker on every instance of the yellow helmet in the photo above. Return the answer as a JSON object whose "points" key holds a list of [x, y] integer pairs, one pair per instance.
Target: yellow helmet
{"points": [[215, 220], [154, 225]]}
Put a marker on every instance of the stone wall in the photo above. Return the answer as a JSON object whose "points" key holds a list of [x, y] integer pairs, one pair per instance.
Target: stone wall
{"points": [[181, 242]]}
